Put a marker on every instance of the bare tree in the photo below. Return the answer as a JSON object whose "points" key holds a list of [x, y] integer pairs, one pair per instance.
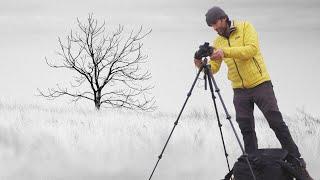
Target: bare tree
{"points": [[109, 68]]}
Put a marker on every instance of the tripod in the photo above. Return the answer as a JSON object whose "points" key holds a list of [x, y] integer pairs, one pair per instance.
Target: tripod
{"points": [[213, 85]]}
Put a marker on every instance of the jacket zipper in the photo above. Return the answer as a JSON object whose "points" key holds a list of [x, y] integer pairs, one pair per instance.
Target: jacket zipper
{"points": [[257, 65], [236, 66]]}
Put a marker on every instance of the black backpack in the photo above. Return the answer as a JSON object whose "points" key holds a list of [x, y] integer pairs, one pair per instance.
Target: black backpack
{"points": [[264, 163]]}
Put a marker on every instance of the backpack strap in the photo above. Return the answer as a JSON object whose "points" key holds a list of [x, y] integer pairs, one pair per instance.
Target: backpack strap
{"points": [[228, 176]]}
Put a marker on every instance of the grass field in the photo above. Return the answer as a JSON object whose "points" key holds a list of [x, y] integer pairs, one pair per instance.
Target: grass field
{"points": [[56, 143]]}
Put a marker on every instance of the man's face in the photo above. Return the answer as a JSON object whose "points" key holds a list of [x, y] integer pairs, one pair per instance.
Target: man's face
{"points": [[220, 25]]}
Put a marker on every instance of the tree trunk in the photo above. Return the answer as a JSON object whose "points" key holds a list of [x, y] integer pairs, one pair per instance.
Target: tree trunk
{"points": [[97, 105], [97, 100]]}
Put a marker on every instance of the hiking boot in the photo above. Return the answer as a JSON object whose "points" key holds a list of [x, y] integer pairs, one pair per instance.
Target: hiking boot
{"points": [[296, 167]]}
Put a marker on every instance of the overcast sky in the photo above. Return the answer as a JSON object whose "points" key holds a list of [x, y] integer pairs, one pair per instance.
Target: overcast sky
{"points": [[288, 32]]}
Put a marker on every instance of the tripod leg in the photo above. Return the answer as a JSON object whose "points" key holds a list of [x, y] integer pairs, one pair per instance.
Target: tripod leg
{"points": [[217, 90], [176, 122], [228, 117], [217, 115]]}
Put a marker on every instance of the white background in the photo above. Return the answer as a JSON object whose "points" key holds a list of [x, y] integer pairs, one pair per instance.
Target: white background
{"points": [[288, 32]]}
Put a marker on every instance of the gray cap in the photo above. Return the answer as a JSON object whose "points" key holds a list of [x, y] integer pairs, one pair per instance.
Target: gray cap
{"points": [[214, 14]]}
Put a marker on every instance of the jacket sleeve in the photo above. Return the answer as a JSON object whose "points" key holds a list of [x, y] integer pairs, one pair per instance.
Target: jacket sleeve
{"points": [[215, 65], [250, 47]]}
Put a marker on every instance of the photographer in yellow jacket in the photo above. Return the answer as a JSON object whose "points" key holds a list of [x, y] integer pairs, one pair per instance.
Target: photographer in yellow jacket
{"points": [[238, 46]]}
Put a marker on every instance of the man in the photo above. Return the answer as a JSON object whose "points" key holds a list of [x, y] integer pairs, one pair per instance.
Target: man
{"points": [[237, 45]]}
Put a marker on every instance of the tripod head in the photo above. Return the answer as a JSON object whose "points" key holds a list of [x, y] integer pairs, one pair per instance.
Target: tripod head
{"points": [[206, 68], [202, 54]]}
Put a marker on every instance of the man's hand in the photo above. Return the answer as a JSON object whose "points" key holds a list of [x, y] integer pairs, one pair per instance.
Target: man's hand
{"points": [[217, 54], [198, 63]]}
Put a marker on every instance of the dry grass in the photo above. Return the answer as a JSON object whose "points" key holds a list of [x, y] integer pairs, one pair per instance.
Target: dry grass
{"points": [[73, 143]]}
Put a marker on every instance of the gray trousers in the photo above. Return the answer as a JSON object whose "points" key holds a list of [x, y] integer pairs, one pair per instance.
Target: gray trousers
{"points": [[263, 96]]}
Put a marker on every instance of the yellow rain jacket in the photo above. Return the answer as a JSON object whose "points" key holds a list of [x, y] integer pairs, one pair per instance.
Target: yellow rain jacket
{"points": [[246, 67]]}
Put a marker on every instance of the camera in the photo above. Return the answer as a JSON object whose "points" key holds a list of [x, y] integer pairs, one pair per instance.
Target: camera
{"points": [[204, 51]]}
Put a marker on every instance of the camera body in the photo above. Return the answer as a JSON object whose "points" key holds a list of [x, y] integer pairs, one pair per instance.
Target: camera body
{"points": [[204, 51]]}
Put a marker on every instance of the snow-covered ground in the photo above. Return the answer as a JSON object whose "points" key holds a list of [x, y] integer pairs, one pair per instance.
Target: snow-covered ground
{"points": [[56, 143]]}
